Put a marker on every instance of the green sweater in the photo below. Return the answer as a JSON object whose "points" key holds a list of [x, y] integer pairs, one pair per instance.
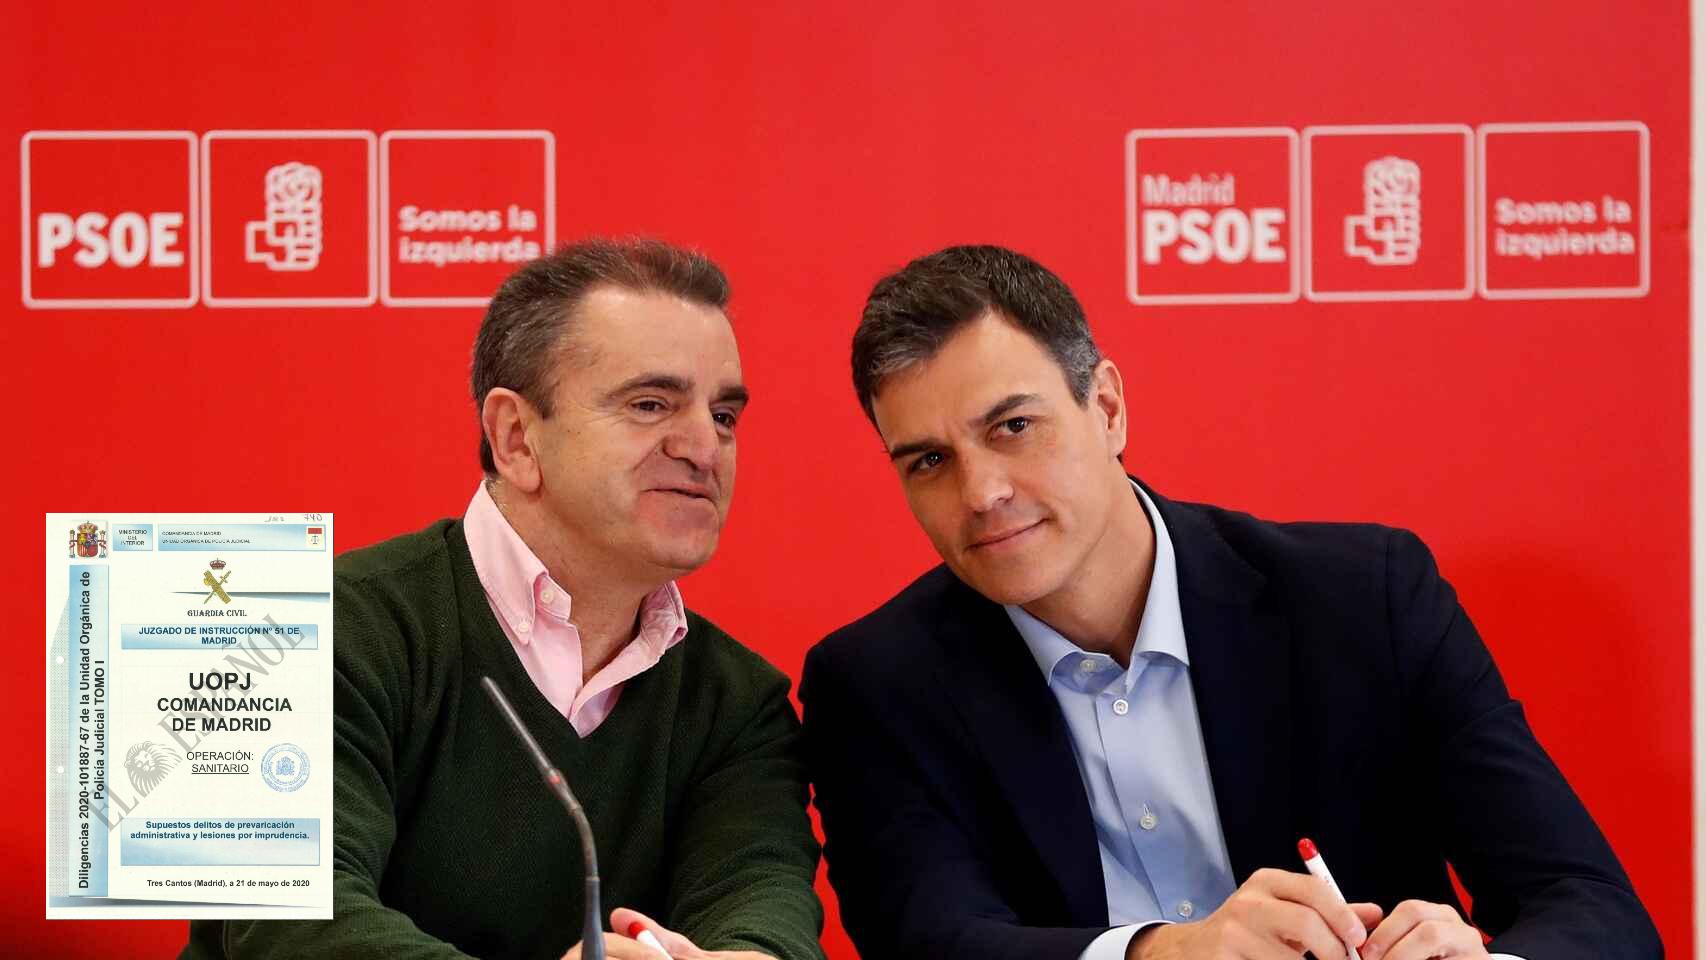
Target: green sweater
{"points": [[446, 842]]}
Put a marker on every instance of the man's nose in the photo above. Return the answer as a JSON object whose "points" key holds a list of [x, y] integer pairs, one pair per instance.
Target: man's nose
{"points": [[693, 438], [983, 483]]}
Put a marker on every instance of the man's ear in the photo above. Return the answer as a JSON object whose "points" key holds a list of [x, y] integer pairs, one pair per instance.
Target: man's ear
{"points": [[506, 417], [1107, 398]]}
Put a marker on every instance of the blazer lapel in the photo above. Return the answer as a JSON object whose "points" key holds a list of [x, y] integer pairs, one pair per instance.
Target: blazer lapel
{"points": [[1241, 676], [1017, 725]]}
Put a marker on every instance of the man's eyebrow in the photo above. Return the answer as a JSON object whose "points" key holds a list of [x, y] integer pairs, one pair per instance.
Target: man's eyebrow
{"points": [[1003, 407], [915, 446], [734, 393], [667, 382]]}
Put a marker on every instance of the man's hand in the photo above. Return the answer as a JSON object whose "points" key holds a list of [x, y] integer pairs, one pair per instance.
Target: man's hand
{"points": [[1418, 930], [679, 947], [1274, 915], [618, 948]]}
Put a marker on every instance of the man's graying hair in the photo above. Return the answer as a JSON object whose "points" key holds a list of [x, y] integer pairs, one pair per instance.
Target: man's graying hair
{"points": [[529, 323], [912, 313]]}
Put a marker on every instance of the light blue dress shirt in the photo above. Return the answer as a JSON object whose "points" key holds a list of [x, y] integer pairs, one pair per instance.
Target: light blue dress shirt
{"points": [[1139, 748], [1140, 753]]}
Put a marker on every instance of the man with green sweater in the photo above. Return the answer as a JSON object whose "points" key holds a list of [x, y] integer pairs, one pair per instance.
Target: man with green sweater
{"points": [[609, 388]]}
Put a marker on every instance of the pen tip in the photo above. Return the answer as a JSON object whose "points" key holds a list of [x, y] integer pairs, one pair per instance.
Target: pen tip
{"points": [[1306, 849]]}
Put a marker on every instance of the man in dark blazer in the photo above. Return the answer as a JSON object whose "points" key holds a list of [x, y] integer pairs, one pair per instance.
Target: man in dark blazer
{"points": [[1102, 726]]}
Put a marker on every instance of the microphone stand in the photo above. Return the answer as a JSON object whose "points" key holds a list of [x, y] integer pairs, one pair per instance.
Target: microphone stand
{"points": [[592, 933]]}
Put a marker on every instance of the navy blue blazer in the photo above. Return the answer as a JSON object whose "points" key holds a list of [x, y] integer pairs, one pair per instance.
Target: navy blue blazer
{"points": [[1343, 695]]}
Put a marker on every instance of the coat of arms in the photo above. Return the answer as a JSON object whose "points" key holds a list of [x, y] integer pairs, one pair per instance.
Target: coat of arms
{"points": [[89, 539]]}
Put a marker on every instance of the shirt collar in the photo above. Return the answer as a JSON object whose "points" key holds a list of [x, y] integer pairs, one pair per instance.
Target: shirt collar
{"points": [[663, 619], [1162, 630], [516, 581]]}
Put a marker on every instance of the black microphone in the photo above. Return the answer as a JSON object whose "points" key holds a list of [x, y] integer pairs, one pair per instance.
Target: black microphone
{"points": [[592, 936]]}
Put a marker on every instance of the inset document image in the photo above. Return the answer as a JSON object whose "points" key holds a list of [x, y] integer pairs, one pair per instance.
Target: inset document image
{"points": [[189, 715]]}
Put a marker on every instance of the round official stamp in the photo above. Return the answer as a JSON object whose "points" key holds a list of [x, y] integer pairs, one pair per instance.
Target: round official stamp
{"points": [[285, 767]]}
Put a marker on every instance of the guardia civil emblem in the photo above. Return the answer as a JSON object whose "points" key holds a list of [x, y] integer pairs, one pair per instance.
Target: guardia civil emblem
{"points": [[216, 588], [89, 539]]}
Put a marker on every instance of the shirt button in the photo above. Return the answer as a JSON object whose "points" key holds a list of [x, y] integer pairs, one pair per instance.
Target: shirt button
{"points": [[1148, 822], [524, 626], [547, 596], [1120, 707], [1186, 909], [1087, 665]]}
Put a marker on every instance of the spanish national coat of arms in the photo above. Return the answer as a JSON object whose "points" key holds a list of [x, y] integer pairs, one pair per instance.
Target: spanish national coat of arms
{"points": [[89, 539]]}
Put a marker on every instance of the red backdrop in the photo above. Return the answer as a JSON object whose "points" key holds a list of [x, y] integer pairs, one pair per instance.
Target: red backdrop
{"points": [[1540, 446]]}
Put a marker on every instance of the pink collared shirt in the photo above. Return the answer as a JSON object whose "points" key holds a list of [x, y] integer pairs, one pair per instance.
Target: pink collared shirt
{"points": [[534, 613]]}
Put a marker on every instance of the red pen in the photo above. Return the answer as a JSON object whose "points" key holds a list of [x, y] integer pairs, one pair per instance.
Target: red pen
{"points": [[1317, 868], [638, 931]]}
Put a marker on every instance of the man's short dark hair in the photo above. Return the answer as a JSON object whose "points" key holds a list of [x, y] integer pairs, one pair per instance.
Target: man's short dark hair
{"points": [[912, 313], [529, 322]]}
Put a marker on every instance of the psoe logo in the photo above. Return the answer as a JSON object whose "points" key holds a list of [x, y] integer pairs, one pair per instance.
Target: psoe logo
{"points": [[291, 235], [285, 767], [1388, 232], [89, 539]]}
